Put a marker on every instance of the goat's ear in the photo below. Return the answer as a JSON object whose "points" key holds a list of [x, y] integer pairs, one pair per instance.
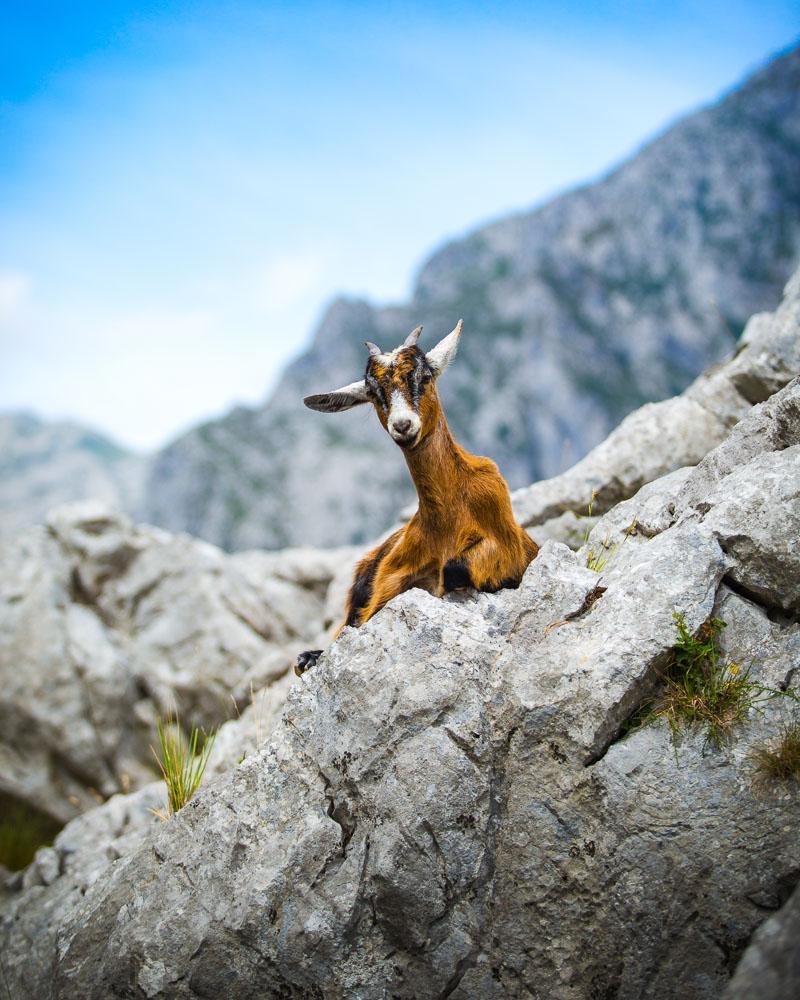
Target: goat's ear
{"points": [[439, 357], [340, 399]]}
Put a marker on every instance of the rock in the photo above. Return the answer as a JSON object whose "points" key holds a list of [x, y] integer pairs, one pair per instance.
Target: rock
{"points": [[570, 528], [773, 425], [105, 626], [744, 491], [242, 737], [663, 437], [652, 441], [761, 535], [449, 805], [770, 966]]}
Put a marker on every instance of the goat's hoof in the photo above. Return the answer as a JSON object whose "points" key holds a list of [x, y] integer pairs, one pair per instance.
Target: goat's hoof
{"points": [[305, 661]]}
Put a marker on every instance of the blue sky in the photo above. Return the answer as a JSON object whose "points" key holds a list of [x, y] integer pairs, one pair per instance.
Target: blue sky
{"points": [[183, 186]]}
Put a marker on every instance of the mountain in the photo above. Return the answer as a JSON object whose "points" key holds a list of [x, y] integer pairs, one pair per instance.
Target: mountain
{"points": [[575, 313], [47, 462]]}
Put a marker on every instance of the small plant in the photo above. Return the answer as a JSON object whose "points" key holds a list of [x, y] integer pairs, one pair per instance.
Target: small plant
{"points": [[182, 762], [703, 688], [779, 760], [597, 558]]}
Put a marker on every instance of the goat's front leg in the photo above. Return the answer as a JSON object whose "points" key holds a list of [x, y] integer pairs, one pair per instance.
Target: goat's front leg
{"points": [[388, 584], [359, 598]]}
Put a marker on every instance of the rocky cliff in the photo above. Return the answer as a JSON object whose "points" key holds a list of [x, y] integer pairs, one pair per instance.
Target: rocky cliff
{"points": [[575, 313], [461, 800], [105, 626]]}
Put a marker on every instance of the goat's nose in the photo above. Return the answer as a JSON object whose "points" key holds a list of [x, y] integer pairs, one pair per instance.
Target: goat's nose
{"points": [[401, 426]]}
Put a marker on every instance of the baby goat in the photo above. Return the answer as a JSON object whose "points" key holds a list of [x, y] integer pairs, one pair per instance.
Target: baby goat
{"points": [[464, 533]]}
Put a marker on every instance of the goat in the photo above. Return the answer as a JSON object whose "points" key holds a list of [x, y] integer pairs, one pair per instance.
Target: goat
{"points": [[464, 533]]}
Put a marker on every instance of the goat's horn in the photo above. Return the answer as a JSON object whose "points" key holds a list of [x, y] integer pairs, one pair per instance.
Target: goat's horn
{"points": [[413, 337], [373, 349]]}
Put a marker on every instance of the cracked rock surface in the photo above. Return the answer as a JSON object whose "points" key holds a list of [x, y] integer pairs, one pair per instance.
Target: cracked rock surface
{"points": [[104, 625], [448, 807]]}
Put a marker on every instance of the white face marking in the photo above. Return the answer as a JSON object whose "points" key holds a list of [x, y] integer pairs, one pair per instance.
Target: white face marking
{"points": [[399, 413]]}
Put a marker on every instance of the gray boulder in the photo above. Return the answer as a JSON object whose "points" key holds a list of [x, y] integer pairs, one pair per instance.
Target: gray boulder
{"points": [[449, 806], [104, 626]]}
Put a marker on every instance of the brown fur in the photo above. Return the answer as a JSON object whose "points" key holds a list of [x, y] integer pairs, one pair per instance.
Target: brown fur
{"points": [[464, 513]]}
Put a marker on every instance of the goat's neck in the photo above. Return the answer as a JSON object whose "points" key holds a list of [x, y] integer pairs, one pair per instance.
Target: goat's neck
{"points": [[438, 466]]}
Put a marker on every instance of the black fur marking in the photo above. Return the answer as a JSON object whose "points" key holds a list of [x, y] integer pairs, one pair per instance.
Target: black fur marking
{"points": [[306, 660], [456, 575], [509, 583], [374, 386], [361, 591], [422, 373]]}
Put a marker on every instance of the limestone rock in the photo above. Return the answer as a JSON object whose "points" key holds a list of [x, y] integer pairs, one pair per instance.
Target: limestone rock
{"points": [[104, 626], [662, 437], [449, 805]]}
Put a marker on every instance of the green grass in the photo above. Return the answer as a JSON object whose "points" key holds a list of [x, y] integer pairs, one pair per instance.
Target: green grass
{"points": [[23, 830], [597, 558], [182, 761], [703, 688], [778, 761]]}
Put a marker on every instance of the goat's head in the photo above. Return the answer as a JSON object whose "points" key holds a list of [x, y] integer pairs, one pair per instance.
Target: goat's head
{"points": [[401, 384]]}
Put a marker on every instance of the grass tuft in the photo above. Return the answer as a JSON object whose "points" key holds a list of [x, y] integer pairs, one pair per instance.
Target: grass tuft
{"points": [[779, 760], [182, 762], [597, 558], [701, 687]]}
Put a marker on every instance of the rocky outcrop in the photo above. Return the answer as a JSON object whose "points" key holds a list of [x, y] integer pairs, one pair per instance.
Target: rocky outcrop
{"points": [[576, 313], [451, 804], [675, 433], [104, 626]]}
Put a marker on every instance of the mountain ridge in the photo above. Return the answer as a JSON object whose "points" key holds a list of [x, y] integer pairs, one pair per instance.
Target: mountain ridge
{"points": [[576, 312], [42, 460]]}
